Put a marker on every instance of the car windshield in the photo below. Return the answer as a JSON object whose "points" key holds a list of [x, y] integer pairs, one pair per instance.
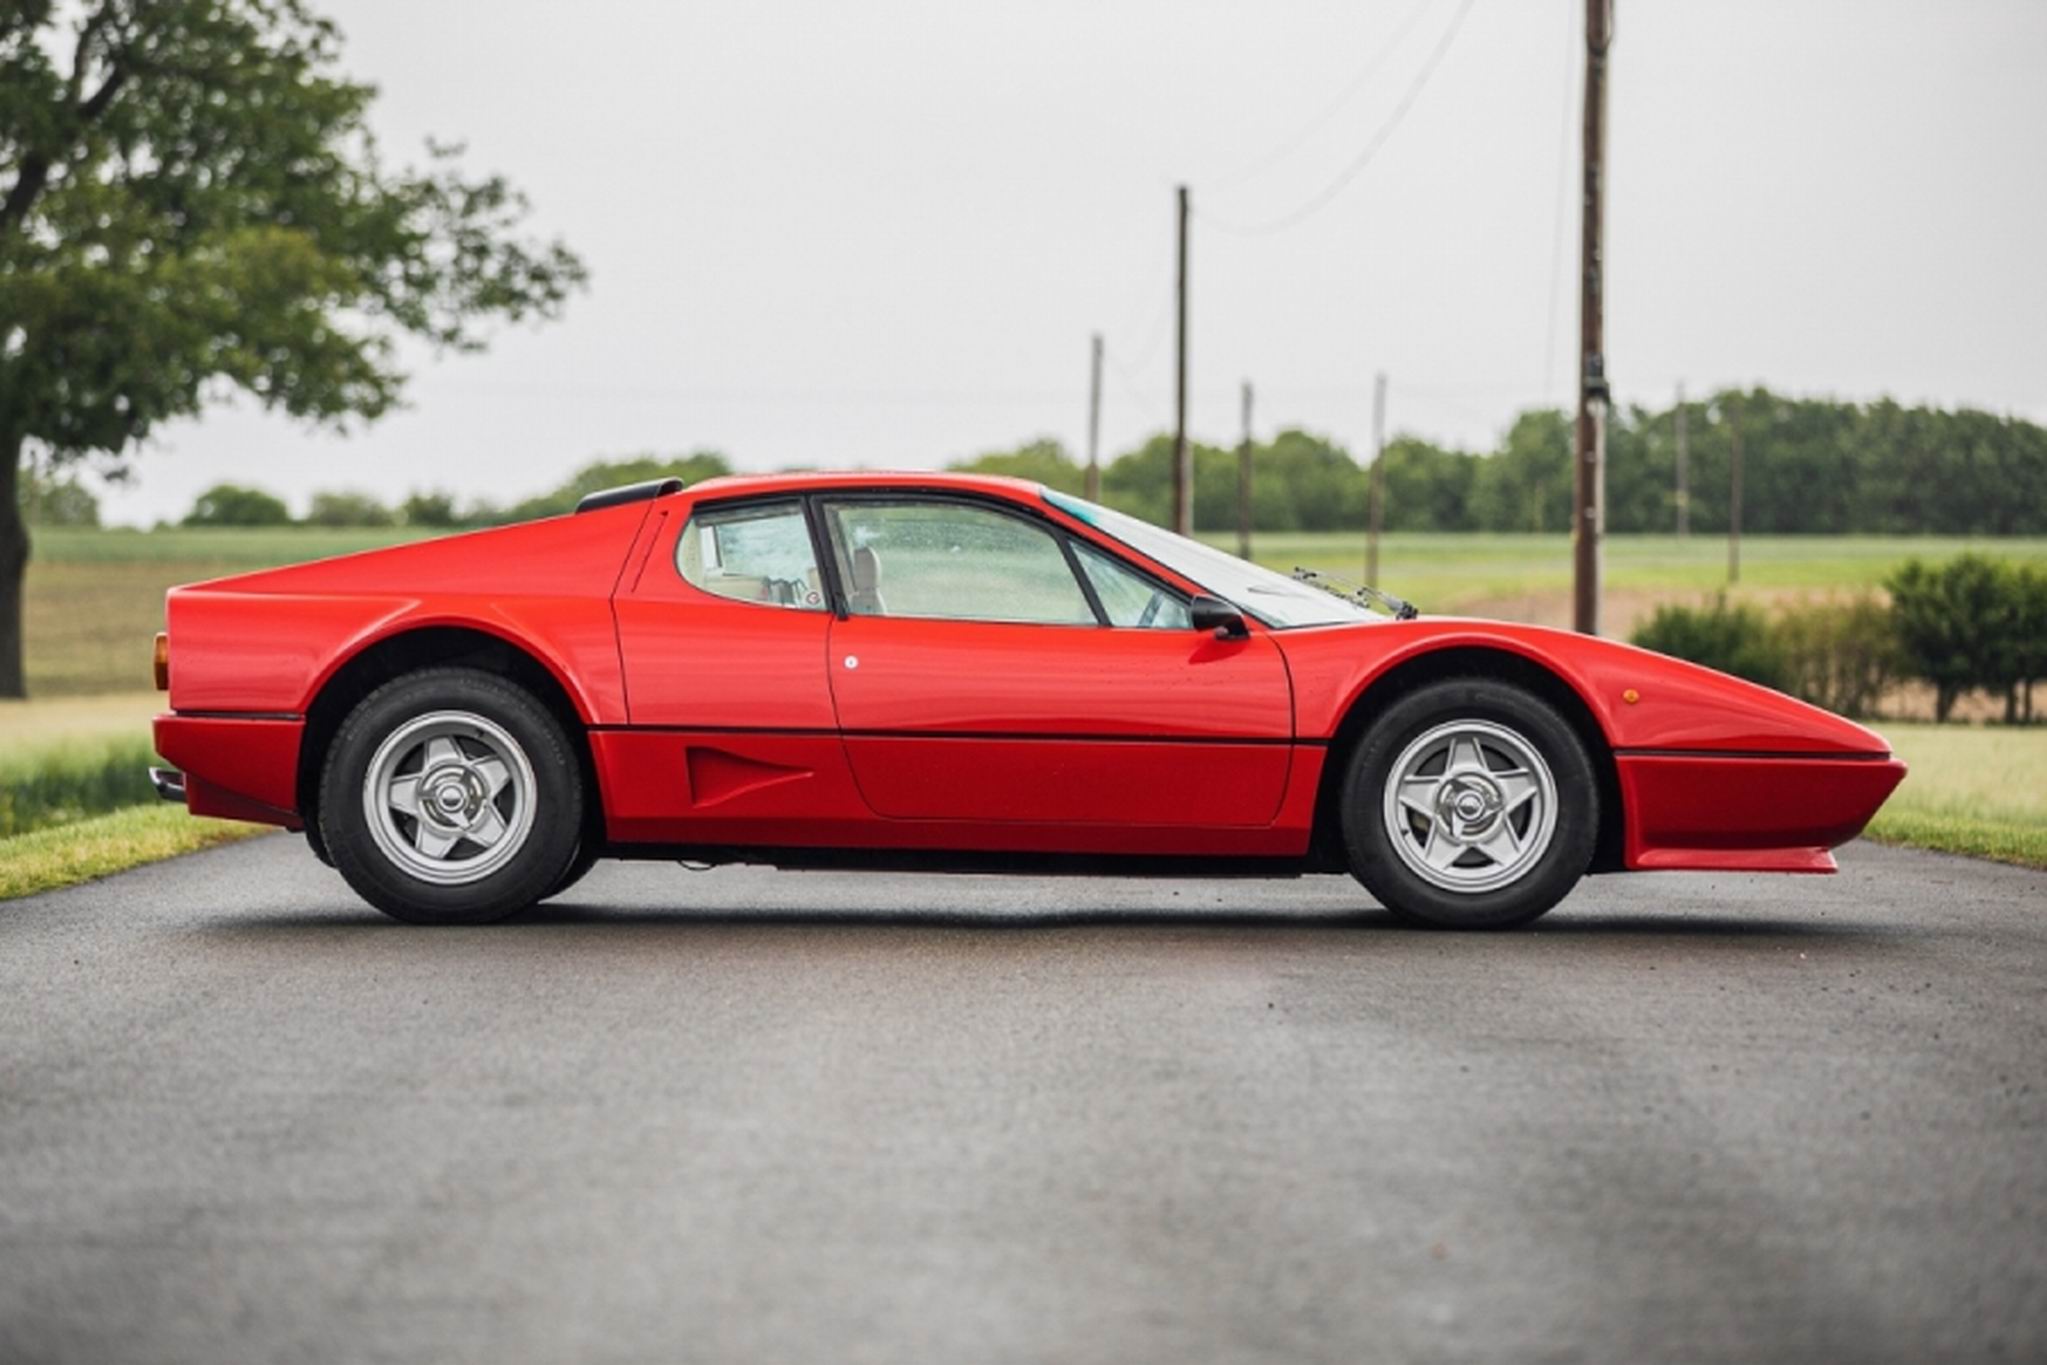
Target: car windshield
{"points": [[1275, 599]]}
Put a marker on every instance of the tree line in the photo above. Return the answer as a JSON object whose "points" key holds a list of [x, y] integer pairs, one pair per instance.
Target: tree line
{"points": [[230, 504], [1810, 465]]}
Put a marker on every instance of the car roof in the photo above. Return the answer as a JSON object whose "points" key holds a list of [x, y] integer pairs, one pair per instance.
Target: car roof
{"points": [[813, 480]]}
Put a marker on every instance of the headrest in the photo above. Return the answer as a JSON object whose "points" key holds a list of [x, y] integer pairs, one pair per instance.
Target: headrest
{"points": [[866, 569]]}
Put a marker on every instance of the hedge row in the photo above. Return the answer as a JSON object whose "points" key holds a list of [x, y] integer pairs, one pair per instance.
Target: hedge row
{"points": [[1972, 624]]}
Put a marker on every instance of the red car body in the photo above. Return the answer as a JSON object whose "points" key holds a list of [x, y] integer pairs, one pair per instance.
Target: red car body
{"points": [[713, 728]]}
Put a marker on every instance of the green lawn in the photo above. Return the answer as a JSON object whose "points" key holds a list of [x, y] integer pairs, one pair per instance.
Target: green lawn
{"points": [[65, 855], [1980, 790]]}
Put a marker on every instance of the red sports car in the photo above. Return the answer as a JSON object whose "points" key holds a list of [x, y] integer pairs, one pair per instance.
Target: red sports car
{"points": [[940, 671]]}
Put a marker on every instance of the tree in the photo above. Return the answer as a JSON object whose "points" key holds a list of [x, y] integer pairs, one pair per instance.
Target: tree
{"points": [[193, 202], [601, 474], [429, 509], [1044, 460], [348, 509], [48, 499], [1959, 627], [227, 504]]}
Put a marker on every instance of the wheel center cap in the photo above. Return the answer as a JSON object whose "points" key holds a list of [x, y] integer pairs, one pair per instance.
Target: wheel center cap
{"points": [[452, 797], [1468, 806]]}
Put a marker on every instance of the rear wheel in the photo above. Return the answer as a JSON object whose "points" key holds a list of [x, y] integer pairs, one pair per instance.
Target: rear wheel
{"points": [[1470, 804], [450, 796]]}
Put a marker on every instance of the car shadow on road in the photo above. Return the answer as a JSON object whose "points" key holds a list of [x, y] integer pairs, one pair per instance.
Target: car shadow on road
{"points": [[598, 916]]}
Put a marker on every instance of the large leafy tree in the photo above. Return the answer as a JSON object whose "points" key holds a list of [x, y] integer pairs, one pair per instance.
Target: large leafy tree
{"points": [[191, 203]]}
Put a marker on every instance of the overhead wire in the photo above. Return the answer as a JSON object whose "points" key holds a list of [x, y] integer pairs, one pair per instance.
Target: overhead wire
{"points": [[1314, 125], [1556, 244], [1364, 158]]}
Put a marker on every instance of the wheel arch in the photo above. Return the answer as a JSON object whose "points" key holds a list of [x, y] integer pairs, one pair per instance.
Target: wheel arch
{"points": [[439, 646], [1460, 661]]}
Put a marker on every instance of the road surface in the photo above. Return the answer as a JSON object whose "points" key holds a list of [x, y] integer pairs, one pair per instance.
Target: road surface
{"points": [[746, 1115]]}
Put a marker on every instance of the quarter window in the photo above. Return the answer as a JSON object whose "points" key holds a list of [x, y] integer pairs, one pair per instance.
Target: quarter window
{"points": [[760, 552], [1127, 597], [952, 560]]}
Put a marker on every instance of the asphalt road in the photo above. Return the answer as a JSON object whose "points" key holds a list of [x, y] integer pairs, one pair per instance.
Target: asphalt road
{"points": [[745, 1115]]}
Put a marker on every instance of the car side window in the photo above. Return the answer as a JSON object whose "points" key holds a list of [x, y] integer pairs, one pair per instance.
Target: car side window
{"points": [[1128, 597], [756, 552], [953, 561]]}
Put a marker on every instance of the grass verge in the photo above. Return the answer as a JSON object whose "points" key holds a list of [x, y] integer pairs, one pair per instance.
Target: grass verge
{"points": [[1977, 790], [78, 852], [1998, 840]]}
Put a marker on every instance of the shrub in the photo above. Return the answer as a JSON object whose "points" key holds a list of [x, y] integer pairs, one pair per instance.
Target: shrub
{"points": [[58, 783], [1960, 627], [227, 504], [429, 509], [347, 509], [1840, 655], [1731, 637]]}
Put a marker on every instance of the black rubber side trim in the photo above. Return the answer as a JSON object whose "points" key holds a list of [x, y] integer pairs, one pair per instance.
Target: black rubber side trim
{"points": [[1754, 753], [238, 715], [631, 492], [815, 733]]}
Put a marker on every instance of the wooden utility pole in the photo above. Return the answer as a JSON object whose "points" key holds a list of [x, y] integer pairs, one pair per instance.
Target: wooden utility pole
{"points": [[1588, 521], [1244, 481], [1376, 515], [1183, 457], [1094, 424], [1734, 492], [1684, 467]]}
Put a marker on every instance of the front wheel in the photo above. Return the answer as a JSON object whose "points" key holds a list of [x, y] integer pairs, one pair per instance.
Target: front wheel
{"points": [[1470, 804], [451, 796]]}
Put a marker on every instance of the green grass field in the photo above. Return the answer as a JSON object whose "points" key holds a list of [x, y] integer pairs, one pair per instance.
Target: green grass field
{"points": [[1528, 577], [96, 597]]}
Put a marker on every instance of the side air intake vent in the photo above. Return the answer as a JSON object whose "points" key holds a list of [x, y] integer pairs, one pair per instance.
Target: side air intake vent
{"points": [[632, 492]]}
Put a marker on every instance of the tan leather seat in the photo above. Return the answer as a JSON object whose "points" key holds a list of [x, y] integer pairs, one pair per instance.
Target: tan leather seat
{"points": [[863, 597]]}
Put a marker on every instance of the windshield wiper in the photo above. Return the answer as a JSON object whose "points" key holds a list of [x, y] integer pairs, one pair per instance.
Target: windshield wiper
{"points": [[1359, 594]]}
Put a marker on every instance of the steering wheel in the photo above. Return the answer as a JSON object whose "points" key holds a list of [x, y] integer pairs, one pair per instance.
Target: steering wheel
{"points": [[1151, 609]]}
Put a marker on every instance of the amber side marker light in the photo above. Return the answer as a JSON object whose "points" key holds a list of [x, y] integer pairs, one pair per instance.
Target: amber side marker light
{"points": [[163, 662]]}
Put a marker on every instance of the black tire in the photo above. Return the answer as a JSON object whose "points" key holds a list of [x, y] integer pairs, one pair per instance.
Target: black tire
{"points": [[579, 867], [538, 859], [1548, 877]]}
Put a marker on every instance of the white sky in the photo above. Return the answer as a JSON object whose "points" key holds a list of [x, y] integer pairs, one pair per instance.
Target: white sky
{"points": [[880, 233]]}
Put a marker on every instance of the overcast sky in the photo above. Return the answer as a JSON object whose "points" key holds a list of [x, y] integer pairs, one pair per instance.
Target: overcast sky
{"points": [[880, 233]]}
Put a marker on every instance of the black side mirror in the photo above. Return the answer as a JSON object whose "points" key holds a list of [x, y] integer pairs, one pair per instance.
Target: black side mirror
{"points": [[1212, 613]]}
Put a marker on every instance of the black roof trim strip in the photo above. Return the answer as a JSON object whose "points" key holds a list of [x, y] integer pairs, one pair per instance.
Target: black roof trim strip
{"points": [[631, 492]]}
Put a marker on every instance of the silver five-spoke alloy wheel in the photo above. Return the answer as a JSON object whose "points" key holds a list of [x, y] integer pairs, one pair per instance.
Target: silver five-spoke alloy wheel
{"points": [[1470, 806], [449, 797]]}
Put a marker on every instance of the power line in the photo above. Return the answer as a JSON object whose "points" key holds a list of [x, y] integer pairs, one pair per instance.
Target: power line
{"points": [[1304, 132], [1364, 158], [1556, 240]]}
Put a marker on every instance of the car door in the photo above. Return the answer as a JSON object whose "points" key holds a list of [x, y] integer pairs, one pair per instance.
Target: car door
{"points": [[989, 668], [722, 627]]}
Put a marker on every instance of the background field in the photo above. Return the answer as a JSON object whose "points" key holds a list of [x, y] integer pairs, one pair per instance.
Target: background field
{"points": [[96, 597]]}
